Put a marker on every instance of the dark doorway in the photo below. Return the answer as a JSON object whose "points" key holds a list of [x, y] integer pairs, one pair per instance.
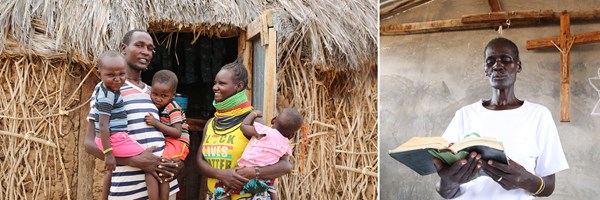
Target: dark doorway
{"points": [[196, 61]]}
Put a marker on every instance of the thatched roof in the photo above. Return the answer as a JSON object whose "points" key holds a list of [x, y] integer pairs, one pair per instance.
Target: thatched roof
{"points": [[335, 33]]}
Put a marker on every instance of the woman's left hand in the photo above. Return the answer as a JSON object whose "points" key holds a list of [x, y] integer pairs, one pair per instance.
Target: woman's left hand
{"points": [[511, 176]]}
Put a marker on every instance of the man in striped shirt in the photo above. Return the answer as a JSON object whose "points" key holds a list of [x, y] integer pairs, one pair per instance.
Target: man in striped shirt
{"points": [[128, 178]]}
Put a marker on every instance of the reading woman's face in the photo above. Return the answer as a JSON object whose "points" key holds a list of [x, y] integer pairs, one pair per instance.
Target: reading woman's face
{"points": [[501, 65]]}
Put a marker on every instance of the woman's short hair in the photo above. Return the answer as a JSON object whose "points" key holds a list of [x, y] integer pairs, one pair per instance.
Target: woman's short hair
{"points": [[512, 45], [240, 74]]}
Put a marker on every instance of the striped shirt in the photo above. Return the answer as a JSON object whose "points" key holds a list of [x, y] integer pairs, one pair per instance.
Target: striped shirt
{"points": [[171, 114], [129, 182], [110, 103]]}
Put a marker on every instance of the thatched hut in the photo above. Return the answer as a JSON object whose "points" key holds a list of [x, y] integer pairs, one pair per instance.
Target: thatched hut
{"points": [[320, 56]]}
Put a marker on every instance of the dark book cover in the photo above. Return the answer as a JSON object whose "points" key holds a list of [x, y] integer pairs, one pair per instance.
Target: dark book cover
{"points": [[420, 160]]}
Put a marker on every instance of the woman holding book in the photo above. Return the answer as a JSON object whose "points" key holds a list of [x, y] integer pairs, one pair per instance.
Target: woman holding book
{"points": [[526, 130]]}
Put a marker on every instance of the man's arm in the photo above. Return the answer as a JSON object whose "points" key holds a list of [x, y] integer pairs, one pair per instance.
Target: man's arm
{"points": [[145, 161]]}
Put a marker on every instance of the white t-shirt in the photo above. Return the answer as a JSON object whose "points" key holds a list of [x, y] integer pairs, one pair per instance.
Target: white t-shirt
{"points": [[528, 134]]}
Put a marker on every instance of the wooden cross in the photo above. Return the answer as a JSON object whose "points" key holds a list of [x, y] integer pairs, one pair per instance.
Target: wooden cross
{"points": [[564, 43]]}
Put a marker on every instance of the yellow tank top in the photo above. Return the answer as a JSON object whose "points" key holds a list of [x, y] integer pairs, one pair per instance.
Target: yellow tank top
{"points": [[222, 149]]}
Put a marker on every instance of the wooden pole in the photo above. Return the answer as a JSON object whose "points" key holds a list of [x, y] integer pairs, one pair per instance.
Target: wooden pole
{"points": [[495, 5], [86, 164]]}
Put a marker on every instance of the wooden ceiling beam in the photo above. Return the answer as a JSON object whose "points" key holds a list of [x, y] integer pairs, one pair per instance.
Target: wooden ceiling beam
{"points": [[526, 15], [495, 5], [441, 25], [398, 7], [488, 20]]}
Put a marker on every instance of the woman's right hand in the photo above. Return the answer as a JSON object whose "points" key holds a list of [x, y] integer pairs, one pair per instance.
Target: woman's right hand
{"points": [[232, 179], [453, 176], [461, 171]]}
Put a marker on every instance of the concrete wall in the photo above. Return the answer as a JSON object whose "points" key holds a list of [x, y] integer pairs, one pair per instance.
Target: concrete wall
{"points": [[425, 78]]}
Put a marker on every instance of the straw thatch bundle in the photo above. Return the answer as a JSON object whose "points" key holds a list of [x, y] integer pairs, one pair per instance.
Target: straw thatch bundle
{"points": [[340, 33], [337, 157], [326, 67]]}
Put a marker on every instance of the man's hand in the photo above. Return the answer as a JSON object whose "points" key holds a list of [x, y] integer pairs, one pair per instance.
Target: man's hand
{"points": [[146, 161], [169, 169]]}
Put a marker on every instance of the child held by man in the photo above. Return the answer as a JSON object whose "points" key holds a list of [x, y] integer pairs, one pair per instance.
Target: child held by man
{"points": [[267, 145], [111, 119], [172, 121]]}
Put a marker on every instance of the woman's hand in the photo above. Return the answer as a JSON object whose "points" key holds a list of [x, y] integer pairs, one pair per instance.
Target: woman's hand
{"points": [[232, 179], [461, 171], [513, 176], [246, 172], [453, 176]]}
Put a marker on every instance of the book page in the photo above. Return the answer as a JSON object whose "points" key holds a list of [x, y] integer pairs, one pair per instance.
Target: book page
{"points": [[422, 143], [475, 141]]}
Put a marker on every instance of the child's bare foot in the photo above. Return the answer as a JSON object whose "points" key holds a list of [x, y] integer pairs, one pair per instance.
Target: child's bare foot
{"points": [[273, 195]]}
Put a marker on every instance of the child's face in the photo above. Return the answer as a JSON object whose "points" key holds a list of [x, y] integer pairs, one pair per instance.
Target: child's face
{"points": [[161, 94], [113, 73]]}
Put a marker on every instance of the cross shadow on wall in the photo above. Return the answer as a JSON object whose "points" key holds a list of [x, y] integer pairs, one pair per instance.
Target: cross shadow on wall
{"points": [[595, 82]]}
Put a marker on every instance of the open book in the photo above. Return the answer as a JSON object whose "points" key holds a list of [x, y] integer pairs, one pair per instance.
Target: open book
{"points": [[418, 152]]}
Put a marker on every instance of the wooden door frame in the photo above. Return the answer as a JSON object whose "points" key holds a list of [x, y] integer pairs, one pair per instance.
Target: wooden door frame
{"points": [[262, 27]]}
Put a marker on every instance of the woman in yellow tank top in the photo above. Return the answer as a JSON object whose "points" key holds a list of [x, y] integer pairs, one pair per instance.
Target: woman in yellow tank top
{"points": [[224, 142]]}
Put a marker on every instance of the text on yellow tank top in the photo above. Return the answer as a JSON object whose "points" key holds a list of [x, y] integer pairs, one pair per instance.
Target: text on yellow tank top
{"points": [[222, 149]]}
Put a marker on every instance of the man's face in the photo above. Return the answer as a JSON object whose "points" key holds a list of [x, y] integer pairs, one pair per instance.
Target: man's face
{"points": [[501, 65], [138, 53]]}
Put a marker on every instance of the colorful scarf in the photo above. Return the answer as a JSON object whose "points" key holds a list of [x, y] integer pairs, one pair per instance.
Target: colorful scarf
{"points": [[231, 112]]}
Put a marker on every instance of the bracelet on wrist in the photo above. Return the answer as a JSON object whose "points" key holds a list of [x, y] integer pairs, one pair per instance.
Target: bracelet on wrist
{"points": [[256, 171], [541, 188], [107, 150]]}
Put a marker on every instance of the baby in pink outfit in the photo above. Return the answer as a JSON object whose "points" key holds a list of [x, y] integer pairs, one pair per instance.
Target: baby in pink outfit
{"points": [[266, 147]]}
